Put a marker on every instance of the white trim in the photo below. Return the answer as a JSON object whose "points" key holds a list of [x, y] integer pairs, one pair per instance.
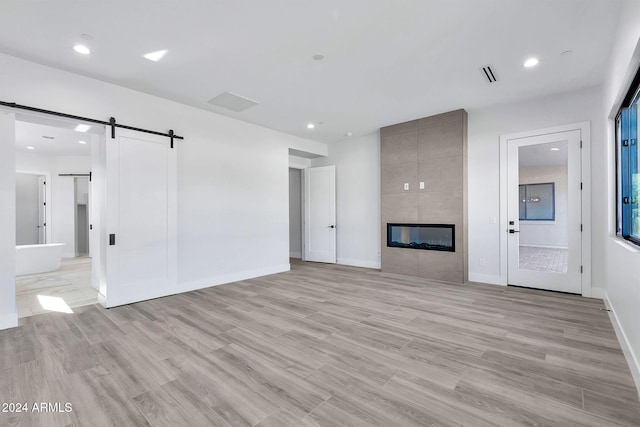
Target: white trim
{"points": [[359, 263], [232, 277], [491, 279], [598, 293], [632, 360], [102, 300], [585, 136], [8, 321]]}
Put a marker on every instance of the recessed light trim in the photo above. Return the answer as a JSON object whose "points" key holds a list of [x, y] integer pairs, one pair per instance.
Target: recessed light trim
{"points": [[30, 147], [310, 126], [318, 57], [531, 62], [349, 134], [82, 128], [555, 149], [82, 142], [48, 137], [155, 56], [82, 49]]}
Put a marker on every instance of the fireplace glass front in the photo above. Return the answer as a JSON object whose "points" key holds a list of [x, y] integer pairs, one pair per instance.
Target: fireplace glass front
{"points": [[434, 237]]}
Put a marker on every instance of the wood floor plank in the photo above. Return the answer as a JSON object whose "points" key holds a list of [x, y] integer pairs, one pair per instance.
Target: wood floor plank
{"points": [[325, 345]]}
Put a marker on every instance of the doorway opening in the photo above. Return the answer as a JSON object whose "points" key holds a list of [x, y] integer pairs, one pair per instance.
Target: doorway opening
{"points": [[295, 213], [53, 216]]}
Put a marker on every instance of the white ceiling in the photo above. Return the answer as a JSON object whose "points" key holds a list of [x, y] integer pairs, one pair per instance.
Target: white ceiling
{"points": [[65, 141], [386, 61]]}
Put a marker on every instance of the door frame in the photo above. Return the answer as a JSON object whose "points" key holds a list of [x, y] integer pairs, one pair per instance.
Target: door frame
{"points": [[585, 160]]}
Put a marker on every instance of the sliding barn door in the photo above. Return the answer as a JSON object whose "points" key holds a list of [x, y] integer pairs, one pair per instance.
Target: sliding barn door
{"points": [[141, 217]]}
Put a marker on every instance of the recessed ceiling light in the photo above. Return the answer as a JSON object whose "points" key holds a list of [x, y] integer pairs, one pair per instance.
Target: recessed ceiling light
{"points": [[310, 126], [566, 53], [555, 149], [80, 48], [82, 142], [82, 128], [30, 147], [86, 36], [155, 56], [318, 57], [349, 134], [531, 62], [48, 137]]}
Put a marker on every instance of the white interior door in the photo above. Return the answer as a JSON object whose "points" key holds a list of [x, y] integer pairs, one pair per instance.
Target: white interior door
{"points": [[320, 214], [544, 212], [141, 217], [42, 209]]}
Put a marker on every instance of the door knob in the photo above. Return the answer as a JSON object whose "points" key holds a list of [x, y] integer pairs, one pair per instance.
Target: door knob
{"points": [[332, 226]]}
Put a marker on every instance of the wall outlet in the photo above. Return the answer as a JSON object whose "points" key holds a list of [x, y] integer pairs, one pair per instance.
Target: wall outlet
{"points": [[422, 185], [406, 186]]}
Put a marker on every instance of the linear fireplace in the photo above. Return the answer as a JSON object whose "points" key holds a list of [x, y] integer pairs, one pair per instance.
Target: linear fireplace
{"points": [[434, 237]]}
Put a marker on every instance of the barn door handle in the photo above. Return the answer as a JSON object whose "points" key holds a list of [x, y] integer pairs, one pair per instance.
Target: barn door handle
{"points": [[511, 231], [332, 226]]}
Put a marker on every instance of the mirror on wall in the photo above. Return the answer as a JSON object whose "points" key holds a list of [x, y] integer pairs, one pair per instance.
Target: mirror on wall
{"points": [[31, 216]]}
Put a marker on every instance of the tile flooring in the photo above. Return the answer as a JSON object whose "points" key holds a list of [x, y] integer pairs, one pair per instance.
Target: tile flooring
{"points": [[544, 259], [57, 290]]}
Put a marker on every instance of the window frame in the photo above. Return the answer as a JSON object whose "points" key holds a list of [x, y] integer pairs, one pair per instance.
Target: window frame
{"points": [[553, 203], [626, 137]]}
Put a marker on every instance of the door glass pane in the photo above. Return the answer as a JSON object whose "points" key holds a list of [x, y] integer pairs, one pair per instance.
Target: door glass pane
{"points": [[543, 191]]}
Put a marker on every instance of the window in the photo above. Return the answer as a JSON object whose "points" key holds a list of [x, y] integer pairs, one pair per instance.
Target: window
{"points": [[628, 179], [538, 202]]}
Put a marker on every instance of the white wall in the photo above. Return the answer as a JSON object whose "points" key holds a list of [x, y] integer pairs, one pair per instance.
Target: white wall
{"points": [[622, 275], [485, 127], [62, 203], [8, 313], [357, 161], [547, 233], [27, 209], [295, 213], [233, 183]]}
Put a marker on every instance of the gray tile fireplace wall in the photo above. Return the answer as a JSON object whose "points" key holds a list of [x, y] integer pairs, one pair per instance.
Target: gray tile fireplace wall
{"points": [[432, 150]]}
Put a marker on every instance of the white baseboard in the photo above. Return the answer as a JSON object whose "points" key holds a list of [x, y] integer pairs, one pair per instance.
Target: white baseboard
{"points": [[629, 354], [490, 279], [102, 300], [8, 321], [597, 293], [295, 254], [232, 277], [359, 263]]}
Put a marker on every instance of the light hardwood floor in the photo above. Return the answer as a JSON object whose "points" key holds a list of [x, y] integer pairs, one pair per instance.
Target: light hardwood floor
{"points": [[325, 346]]}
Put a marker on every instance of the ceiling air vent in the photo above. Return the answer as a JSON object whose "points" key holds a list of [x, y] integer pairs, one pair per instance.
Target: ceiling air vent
{"points": [[233, 102], [489, 74]]}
